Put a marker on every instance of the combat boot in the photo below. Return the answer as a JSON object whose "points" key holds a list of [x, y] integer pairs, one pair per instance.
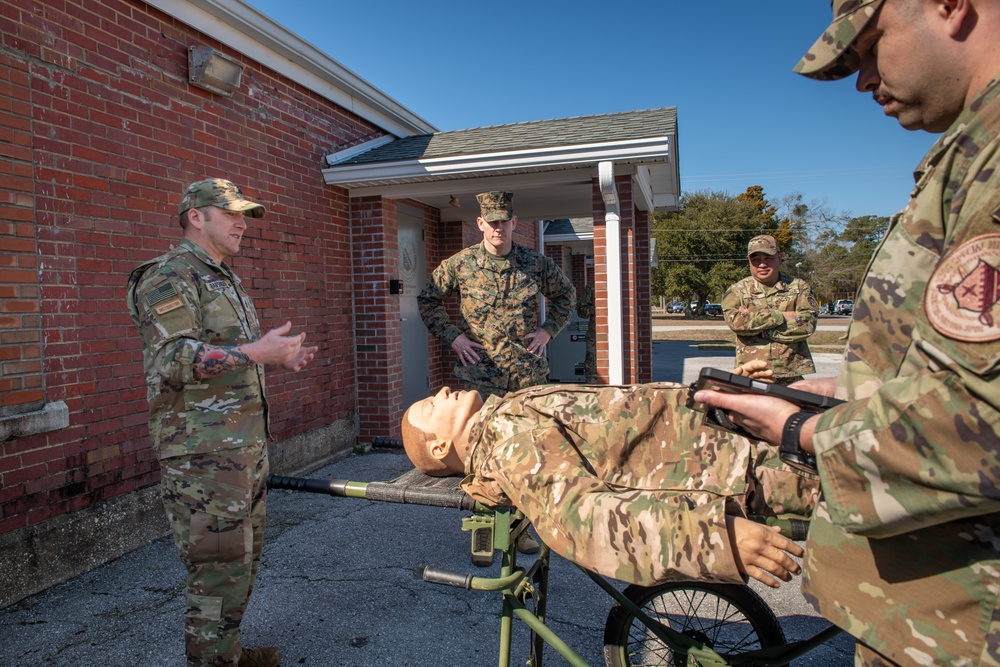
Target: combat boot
{"points": [[265, 656], [526, 544]]}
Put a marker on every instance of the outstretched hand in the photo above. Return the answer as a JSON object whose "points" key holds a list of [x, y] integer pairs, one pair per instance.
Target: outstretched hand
{"points": [[762, 551], [275, 347]]}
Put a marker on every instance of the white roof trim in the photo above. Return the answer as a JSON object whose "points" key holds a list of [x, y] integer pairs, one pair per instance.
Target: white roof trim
{"points": [[346, 154], [635, 149], [257, 36]]}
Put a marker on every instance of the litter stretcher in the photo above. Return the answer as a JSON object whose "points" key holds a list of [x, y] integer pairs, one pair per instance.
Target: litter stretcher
{"points": [[672, 624]]}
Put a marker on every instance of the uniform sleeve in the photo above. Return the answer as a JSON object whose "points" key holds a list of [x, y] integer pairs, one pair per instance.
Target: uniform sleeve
{"points": [[924, 448], [163, 305], [442, 284], [561, 296], [808, 313], [742, 320]]}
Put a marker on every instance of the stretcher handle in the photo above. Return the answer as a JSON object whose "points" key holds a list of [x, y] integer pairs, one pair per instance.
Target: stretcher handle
{"points": [[333, 487], [437, 575]]}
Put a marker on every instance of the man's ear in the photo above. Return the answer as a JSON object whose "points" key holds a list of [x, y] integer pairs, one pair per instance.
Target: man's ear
{"points": [[196, 218], [440, 449], [956, 14], [513, 223]]}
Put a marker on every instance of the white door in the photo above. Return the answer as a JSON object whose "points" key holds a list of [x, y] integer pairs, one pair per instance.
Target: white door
{"points": [[413, 274]]}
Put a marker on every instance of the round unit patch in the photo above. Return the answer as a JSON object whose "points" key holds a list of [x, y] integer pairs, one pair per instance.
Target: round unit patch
{"points": [[964, 290]]}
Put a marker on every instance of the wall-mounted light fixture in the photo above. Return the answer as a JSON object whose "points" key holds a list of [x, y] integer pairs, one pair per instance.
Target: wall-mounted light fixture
{"points": [[454, 202], [214, 71]]}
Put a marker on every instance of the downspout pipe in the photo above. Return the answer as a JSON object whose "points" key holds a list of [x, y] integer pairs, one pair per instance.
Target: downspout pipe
{"points": [[541, 248], [612, 234]]}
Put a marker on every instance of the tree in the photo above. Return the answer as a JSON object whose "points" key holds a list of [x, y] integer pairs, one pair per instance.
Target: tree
{"points": [[702, 245]]}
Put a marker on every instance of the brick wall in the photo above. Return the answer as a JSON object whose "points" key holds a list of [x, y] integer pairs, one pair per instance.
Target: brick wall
{"points": [[99, 132]]}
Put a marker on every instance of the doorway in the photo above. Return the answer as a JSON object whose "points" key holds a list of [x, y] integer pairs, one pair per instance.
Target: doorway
{"points": [[413, 275]]}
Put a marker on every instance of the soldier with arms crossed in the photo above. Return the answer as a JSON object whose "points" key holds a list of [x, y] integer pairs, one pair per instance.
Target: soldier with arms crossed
{"points": [[904, 550], [772, 314]]}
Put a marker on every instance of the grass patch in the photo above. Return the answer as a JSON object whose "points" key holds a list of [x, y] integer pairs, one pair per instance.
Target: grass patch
{"points": [[709, 339]]}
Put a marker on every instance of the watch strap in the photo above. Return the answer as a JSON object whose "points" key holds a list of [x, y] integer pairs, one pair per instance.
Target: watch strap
{"points": [[790, 450]]}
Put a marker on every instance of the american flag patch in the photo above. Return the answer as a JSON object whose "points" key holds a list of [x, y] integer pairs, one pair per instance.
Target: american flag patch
{"points": [[160, 293]]}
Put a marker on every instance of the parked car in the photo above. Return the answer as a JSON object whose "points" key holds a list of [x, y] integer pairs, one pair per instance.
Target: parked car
{"points": [[843, 307], [676, 307], [825, 308], [713, 309]]}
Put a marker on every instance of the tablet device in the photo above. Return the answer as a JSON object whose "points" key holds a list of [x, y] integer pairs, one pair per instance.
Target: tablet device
{"points": [[719, 380]]}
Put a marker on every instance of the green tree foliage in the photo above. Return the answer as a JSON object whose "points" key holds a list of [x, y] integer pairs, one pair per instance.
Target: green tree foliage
{"points": [[841, 257], [702, 245]]}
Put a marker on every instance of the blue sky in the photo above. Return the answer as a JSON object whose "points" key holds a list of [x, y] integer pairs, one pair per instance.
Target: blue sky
{"points": [[743, 117]]}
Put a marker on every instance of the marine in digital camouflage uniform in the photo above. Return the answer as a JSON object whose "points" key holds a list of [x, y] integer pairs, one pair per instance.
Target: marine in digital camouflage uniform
{"points": [[905, 551], [499, 304], [624, 480], [209, 429], [755, 312]]}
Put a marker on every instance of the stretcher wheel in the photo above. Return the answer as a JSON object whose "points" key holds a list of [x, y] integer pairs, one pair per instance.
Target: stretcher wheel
{"points": [[732, 619]]}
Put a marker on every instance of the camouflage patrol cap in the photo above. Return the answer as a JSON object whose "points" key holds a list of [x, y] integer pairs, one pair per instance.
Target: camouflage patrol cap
{"points": [[763, 243], [832, 57], [496, 205], [219, 192]]}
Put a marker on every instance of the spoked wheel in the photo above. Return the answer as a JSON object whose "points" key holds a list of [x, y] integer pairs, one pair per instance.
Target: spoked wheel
{"points": [[731, 619]]}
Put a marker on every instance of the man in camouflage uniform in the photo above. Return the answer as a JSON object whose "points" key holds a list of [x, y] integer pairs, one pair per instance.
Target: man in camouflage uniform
{"points": [[204, 361], [498, 340], [904, 552], [624, 480], [772, 314], [585, 307]]}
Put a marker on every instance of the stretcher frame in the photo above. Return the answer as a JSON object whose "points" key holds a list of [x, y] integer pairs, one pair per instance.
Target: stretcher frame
{"points": [[496, 529]]}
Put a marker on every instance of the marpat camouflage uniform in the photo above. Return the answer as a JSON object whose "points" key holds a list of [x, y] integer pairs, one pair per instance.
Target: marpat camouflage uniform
{"points": [[625, 480], [905, 551], [585, 307], [210, 435], [499, 304], [762, 332]]}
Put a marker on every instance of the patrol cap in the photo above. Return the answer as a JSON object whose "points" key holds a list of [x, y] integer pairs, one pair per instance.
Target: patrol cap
{"points": [[832, 57], [219, 192], [496, 206], [763, 243]]}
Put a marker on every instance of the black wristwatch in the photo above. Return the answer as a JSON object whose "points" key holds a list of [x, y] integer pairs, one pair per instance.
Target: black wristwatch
{"points": [[790, 451]]}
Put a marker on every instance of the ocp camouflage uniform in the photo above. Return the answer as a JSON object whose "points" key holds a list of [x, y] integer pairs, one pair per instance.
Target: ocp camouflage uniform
{"points": [[500, 302], [210, 435], [585, 307], [762, 332], [905, 551], [625, 480]]}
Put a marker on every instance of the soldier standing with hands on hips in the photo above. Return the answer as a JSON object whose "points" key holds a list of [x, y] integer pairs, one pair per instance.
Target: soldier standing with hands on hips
{"points": [[499, 340], [772, 314], [904, 551], [204, 360]]}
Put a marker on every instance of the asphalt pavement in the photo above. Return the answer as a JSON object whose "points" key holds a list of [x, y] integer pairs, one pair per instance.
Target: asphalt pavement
{"points": [[340, 586]]}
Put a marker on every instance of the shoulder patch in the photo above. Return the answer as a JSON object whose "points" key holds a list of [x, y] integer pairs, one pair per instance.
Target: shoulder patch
{"points": [[160, 293], [964, 290]]}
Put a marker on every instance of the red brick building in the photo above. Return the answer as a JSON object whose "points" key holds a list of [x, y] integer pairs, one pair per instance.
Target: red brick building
{"points": [[101, 127]]}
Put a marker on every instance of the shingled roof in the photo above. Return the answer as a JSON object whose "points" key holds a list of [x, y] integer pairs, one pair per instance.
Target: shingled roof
{"points": [[534, 135]]}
